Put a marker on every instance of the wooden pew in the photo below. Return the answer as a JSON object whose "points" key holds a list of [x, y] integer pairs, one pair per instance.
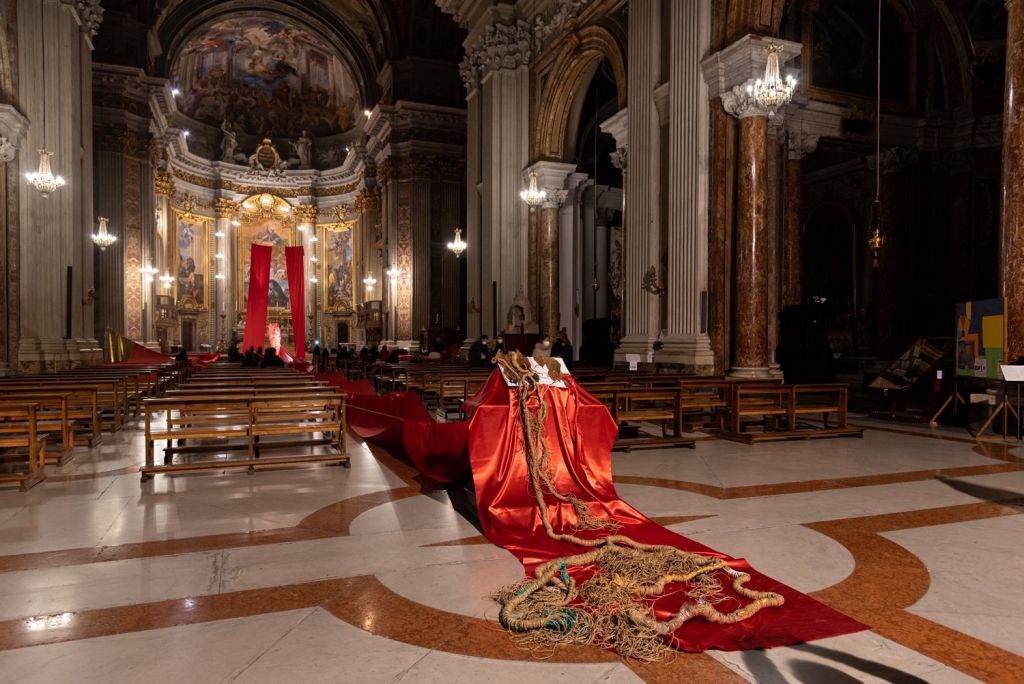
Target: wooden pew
{"points": [[641, 404], [243, 419], [82, 409], [110, 394], [19, 431], [779, 409]]}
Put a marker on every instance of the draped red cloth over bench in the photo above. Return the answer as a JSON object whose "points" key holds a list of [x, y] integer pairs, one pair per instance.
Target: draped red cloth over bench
{"points": [[580, 433]]}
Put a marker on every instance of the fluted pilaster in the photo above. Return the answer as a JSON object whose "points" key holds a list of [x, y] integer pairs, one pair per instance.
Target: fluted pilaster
{"points": [[687, 342], [642, 248]]}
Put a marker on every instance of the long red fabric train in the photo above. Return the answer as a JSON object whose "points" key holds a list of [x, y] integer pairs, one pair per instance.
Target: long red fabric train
{"points": [[579, 433]]}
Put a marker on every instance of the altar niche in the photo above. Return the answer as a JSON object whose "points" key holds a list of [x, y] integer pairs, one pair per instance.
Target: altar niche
{"points": [[265, 220]]}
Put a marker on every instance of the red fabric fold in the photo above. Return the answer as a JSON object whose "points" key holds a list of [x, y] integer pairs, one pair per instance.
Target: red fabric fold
{"points": [[579, 433], [294, 258], [259, 292]]}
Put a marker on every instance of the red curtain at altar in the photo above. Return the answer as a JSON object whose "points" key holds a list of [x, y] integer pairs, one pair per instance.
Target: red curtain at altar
{"points": [[259, 291], [294, 258]]}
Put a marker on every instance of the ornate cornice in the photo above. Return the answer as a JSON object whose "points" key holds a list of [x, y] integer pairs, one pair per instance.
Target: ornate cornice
{"points": [[502, 46]]}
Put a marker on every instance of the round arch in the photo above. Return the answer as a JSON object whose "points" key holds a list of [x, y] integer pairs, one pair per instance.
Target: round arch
{"points": [[561, 98]]}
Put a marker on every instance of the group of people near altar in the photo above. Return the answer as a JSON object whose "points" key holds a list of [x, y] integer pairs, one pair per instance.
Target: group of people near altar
{"points": [[483, 350]]}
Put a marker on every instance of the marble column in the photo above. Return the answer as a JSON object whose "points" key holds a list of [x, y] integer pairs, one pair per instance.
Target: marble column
{"points": [[552, 178], [477, 291], [225, 302], [792, 227], [1013, 183], [641, 243], [751, 353], [547, 248], [687, 343]]}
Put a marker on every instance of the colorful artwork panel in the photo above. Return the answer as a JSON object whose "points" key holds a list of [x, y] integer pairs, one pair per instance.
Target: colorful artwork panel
{"points": [[980, 338]]}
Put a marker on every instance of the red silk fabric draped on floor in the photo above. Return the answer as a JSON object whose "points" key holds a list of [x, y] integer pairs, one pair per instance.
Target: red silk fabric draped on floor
{"points": [[579, 433]]}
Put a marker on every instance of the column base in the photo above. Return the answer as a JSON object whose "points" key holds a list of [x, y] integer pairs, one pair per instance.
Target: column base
{"points": [[643, 346], [750, 373], [689, 353], [41, 356]]}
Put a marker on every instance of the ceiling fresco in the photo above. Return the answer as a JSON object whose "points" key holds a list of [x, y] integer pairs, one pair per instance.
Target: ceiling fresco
{"points": [[266, 78]]}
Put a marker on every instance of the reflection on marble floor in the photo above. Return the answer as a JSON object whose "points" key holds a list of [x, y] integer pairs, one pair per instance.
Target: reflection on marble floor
{"points": [[354, 574]]}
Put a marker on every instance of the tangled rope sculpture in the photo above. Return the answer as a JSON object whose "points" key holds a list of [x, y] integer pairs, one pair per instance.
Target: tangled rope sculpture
{"points": [[613, 608]]}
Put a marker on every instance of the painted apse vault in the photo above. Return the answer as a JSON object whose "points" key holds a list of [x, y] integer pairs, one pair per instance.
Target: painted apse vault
{"points": [[266, 77]]}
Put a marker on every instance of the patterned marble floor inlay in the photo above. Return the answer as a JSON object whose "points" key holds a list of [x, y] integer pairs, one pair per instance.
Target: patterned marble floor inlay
{"points": [[289, 571]]}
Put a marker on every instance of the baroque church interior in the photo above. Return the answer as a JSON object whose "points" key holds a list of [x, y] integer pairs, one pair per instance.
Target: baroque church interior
{"points": [[431, 340]]}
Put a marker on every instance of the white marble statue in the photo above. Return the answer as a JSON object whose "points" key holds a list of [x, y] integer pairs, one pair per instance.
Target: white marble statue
{"points": [[228, 143], [303, 148]]}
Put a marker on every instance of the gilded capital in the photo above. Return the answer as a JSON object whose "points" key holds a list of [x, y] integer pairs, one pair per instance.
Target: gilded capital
{"points": [[225, 208], [163, 183], [306, 213]]}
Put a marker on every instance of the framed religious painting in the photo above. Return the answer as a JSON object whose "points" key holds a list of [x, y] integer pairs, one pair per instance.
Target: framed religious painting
{"points": [[277, 233], [840, 53], [190, 259], [338, 275]]}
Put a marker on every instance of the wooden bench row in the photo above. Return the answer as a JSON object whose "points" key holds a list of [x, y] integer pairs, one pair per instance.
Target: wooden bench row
{"points": [[236, 415]]}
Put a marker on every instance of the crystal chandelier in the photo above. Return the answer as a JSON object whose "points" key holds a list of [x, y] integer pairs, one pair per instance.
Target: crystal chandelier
{"points": [[148, 271], [43, 180], [393, 273], [102, 238], [772, 92], [532, 195], [369, 281], [458, 245], [166, 279]]}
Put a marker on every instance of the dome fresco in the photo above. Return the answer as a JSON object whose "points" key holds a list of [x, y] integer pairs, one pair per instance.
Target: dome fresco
{"points": [[266, 77]]}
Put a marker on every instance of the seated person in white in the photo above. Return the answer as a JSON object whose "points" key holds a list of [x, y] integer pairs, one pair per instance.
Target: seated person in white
{"points": [[542, 349]]}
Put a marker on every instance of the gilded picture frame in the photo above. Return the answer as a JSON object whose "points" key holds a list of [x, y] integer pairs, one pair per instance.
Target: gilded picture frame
{"points": [[268, 230], [190, 259], [338, 268]]}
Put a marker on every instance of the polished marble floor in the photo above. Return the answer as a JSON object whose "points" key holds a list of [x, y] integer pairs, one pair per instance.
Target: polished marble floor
{"points": [[330, 574]]}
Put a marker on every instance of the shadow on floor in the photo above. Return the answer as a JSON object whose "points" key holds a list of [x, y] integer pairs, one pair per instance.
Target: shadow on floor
{"points": [[765, 671], [1000, 496]]}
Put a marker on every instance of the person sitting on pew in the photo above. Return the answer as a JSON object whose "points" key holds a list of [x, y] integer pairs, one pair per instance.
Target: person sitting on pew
{"points": [[383, 354], [250, 360], [563, 348], [542, 350], [271, 359], [317, 354], [234, 355], [182, 355], [479, 354]]}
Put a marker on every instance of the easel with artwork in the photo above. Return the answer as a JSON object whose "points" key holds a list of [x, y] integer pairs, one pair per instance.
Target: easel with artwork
{"points": [[980, 354]]}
